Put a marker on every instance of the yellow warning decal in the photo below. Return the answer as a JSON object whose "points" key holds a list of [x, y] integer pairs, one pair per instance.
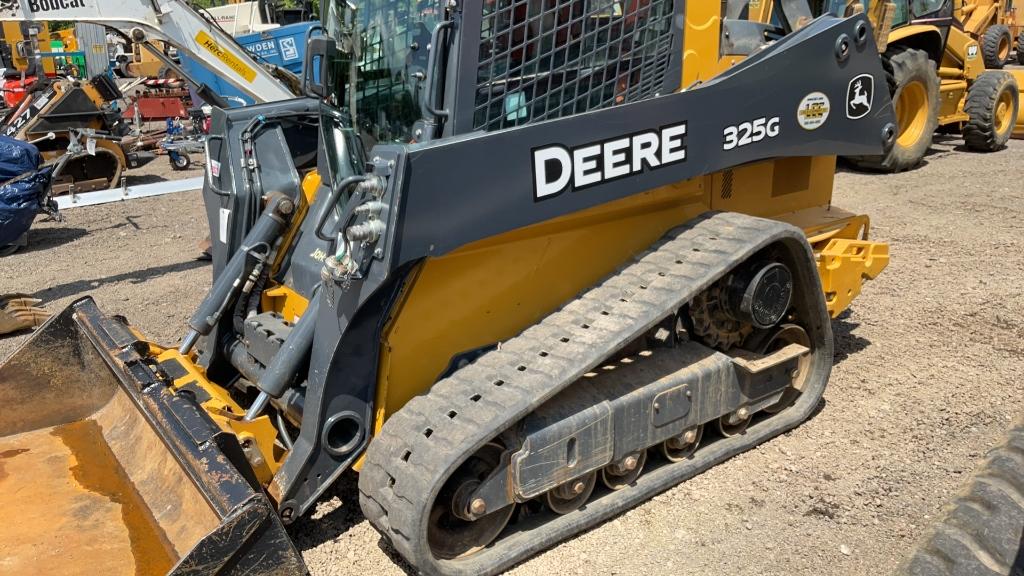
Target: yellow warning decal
{"points": [[225, 56]]}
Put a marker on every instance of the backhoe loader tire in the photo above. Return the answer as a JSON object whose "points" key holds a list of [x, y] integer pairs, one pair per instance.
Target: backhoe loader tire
{"points": [[996, 45], [914, 85], [979, 533], [992, 103], [1020, 49]]}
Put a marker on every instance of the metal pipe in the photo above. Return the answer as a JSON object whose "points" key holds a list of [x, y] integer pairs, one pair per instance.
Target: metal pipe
{"points": [[281, 371], [257, 407], [282, 430], [190, 340]]}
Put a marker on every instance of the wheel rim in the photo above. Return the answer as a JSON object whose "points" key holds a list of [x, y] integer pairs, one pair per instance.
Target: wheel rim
{"points": [[450, 536], [1004, 111], [912, 113], [1004, 49]]}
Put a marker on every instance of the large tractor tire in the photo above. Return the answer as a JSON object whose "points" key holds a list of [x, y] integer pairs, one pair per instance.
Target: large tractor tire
{"points": [[996, 45], [914, 85], [980, 531], [1020, 49], [992, 102]]}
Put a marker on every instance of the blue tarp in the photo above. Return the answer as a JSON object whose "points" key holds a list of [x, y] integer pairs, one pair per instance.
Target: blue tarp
{"points": [[17, 158], [23, 192]]}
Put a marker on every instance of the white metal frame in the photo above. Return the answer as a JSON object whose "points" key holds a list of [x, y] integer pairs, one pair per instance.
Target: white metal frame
{"points": [[171, 21], [67, 201]]}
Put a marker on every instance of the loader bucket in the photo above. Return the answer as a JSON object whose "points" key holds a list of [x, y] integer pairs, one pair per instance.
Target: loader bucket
{"points": [[104, 471]]}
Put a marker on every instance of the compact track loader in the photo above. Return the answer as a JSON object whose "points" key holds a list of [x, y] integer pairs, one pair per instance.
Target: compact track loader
{"points": [[524, 266]]}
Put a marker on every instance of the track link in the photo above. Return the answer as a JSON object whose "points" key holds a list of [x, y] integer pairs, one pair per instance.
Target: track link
{"points": [[980, 533], [422, 444]]}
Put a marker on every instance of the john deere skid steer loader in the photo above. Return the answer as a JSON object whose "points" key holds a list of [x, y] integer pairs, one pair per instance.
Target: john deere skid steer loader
{"points": [[522, 265]]}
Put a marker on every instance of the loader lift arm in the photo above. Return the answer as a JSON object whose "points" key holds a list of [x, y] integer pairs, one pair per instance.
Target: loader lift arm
{"points": [[172, 21]]}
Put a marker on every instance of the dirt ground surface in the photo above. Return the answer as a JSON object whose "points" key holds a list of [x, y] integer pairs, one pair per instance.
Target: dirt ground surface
{"points": [[927, 376], [159, 170]]}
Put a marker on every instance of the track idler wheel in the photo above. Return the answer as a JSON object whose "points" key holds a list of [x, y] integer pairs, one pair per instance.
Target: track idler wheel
{"points": [[452, 532], [790, 334], [572, 495], [625, 471], [683, 446]]}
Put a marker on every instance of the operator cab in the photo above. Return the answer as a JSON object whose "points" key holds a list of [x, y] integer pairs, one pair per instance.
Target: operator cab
{"points": [[523, 61]]}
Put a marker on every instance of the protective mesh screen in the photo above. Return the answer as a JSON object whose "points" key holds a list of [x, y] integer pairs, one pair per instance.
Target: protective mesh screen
{"points": [[543, 59]]}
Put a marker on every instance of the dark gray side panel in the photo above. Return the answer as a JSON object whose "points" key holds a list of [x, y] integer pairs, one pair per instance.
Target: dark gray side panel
{"points": [[464, 189]]}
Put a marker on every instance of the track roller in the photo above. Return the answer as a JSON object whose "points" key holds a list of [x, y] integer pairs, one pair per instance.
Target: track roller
{"points": [[786, 335], [683, 446], [625, 471], [571, 495], [734, 424]]}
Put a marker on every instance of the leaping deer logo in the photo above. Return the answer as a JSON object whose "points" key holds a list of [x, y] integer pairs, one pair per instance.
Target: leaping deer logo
{"points": [[859, 96]]}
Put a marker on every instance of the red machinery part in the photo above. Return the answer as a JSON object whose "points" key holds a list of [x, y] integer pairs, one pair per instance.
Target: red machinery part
{"points": [[157, 108]]}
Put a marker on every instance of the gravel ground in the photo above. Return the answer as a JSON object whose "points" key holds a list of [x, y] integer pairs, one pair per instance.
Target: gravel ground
{"points": [[926, 377]]}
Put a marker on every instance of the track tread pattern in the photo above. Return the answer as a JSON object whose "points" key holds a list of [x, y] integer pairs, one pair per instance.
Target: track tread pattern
{"points": [[420, 445], [981, 532]]}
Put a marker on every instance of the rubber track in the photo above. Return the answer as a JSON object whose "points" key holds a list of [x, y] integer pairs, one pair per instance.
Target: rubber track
{"points": [[982, 530], [423, 443]]}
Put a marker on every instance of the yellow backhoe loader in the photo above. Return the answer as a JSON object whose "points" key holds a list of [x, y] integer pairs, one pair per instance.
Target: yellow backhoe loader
{"points": [[994, 24], [938, 80], [519, 265]]}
